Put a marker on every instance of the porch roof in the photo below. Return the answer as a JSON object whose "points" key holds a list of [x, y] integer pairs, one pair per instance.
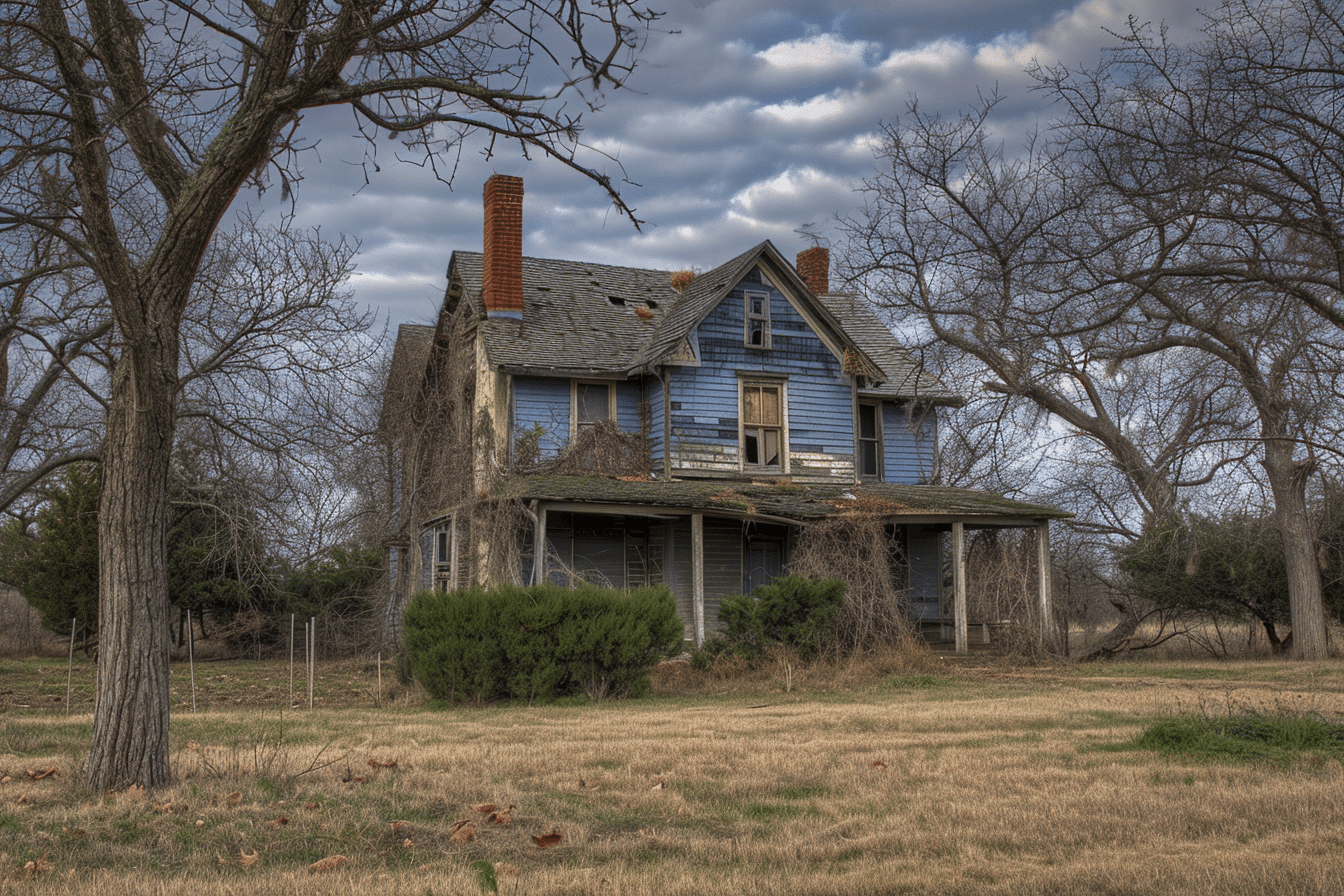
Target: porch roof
{"points": [[781, 500]]}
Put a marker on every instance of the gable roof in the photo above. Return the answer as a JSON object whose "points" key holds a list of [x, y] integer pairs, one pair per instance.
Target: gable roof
{"points": [[410, 354], [585, 319]]}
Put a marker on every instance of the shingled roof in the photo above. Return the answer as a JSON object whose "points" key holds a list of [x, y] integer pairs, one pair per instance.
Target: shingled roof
{"points": [[584, 319], [783, 500]]}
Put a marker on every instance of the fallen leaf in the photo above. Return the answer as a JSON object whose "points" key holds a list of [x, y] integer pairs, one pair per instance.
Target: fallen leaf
{"points": [[503, 816], [247, 859], [39, 774], [407, 843], [40, 866], [659, 786], [485, 808], [330, 863], [546, 841], [397, 826], [506, 868], [375, 763], [462, 832], [879, 764], [170, 808], [6, 779], [277, 822], [234, 798], [200, 822], [312, 807]]}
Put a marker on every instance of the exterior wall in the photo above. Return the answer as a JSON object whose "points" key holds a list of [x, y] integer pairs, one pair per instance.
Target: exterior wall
{"points": [[704, 437], [909, 448], [543, 402], [925, 553]]}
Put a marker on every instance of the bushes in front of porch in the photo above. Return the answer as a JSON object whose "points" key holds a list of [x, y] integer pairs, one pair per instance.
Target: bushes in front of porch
{"points": [[538, 643], [793, 611]]}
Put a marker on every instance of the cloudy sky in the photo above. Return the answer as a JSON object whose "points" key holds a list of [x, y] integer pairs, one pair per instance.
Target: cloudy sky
{"points": [[748, 120]]}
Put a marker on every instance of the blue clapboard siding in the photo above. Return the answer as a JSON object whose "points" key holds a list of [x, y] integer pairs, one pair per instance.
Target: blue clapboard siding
{"points": [[544, 402], [909, 448], [704, 400], [627, 406]]}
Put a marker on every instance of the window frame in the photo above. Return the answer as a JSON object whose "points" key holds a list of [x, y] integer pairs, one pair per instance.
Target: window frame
{"points": [[876, 440], [576, 426], [762, 318], [780, 388]]}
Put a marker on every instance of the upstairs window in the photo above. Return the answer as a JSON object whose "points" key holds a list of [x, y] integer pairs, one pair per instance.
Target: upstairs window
{"points": [[870, 440], [593, 403], [756, 332], [763, 426]]}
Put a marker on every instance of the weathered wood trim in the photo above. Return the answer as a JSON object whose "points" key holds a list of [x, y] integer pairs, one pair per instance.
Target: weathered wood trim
{"points": [[698, 575], [959, 586], [539, 547], [453, 577], [1043, 564]]}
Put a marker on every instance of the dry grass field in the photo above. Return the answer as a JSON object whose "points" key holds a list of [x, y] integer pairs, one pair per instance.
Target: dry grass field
{"points": [[923, 775]]}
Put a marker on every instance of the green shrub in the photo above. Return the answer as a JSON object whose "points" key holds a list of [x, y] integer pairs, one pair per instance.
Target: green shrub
{"points": [[795, 611], [539, 643]]}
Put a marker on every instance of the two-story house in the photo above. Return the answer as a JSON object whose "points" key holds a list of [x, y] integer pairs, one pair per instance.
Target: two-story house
{"points": [[626, 426]]}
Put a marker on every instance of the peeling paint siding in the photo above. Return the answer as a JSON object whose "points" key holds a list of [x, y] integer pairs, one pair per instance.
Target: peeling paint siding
{"points": [[908, 452], [542, 401], [704, 400]]}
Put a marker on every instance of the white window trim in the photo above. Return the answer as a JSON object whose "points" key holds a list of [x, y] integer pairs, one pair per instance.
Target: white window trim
{"points": [[783, 386], [574, 403], [748, 317]]}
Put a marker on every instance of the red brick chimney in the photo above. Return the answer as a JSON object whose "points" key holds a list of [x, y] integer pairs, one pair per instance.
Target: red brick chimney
{"points": [[502, 268], [814, 266]]}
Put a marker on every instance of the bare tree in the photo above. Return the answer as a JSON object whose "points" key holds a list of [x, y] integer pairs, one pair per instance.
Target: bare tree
{"points": [[1180, 215], [1220, 168], [128, 128]]}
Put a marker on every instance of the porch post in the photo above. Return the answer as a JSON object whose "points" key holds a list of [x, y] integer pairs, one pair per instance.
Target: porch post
{"points": [[698, 576], [959, 585], [452, 553], [1048, 638], [539, 547]]}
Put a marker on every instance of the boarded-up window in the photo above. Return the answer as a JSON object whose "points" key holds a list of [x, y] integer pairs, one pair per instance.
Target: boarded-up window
{"points": [[762, 426]]}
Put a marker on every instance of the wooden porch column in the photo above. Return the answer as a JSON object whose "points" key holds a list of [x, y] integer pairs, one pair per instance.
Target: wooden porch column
{"points": [[452, 553], [1043, 562], [959, 586], [698, 576], [539, 547]]}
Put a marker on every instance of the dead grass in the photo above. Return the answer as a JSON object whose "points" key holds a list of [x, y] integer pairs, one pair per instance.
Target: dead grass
{"points": [[957, 776]]}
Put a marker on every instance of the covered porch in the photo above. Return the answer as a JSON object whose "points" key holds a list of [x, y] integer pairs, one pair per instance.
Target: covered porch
{"points": [[710, 540]]}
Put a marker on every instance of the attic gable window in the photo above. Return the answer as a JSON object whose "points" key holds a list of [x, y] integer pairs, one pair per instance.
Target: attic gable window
{"points": [[756, 319]]}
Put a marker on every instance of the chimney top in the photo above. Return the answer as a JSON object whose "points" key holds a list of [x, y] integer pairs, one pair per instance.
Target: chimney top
{"points": [[814, 266], [502, 266]]}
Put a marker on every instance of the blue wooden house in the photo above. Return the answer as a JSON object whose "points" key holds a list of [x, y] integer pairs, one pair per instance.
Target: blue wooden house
{"points": [[627, 426]]}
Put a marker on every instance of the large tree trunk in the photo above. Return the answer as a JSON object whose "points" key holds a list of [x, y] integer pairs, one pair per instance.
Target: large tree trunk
{"points": [[130, 716], [1288, 481]]}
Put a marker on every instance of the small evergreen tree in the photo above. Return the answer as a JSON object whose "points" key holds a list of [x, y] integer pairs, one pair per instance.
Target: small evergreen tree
{"points": [[57, 571]]}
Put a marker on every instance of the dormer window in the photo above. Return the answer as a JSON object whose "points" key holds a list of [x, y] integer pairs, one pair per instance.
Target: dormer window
{"points": [[756, 331]]}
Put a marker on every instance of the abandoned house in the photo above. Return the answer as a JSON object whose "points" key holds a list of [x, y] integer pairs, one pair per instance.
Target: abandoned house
{"points": [[564, 420]]}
